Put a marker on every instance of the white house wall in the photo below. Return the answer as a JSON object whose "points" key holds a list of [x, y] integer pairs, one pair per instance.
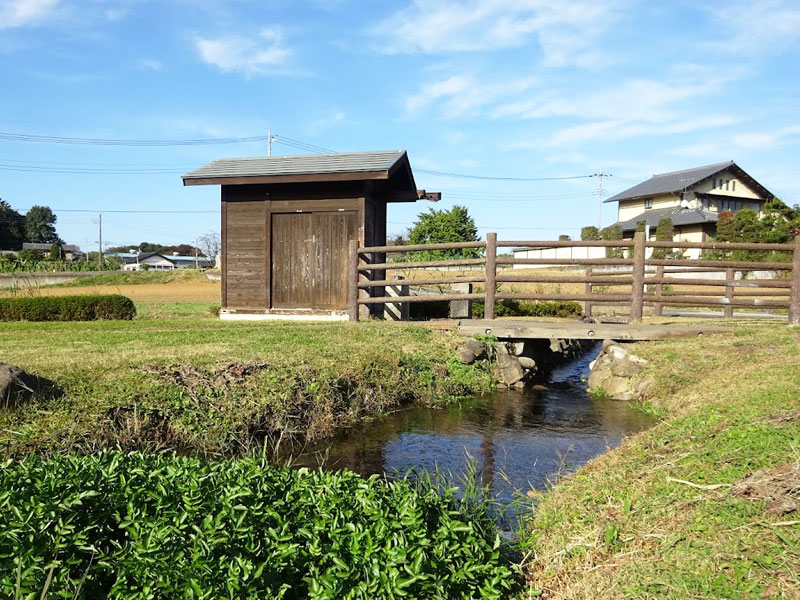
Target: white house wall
{"points": [[628, 209]]}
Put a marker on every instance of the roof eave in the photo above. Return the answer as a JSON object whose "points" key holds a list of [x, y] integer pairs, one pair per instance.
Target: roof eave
{"points": [[291, 178]]}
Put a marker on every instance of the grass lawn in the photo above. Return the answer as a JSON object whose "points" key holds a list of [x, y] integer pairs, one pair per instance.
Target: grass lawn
{"points": [[177, 377], [656, 518]]}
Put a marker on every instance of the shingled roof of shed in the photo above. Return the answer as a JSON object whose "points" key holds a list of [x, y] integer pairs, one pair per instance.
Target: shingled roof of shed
{"points": [[677, 181], [318, 167]]}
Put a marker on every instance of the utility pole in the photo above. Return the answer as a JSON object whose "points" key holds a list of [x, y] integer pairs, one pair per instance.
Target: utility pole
{"points": [[100, 242], [270, 138], [600, 176]]}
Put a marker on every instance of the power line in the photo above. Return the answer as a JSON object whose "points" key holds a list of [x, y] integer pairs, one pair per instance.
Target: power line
{"points": [[67, 168], [494, 178], [144, 212], [497, 227], [90, 170], [321, 150], [47, 139]]}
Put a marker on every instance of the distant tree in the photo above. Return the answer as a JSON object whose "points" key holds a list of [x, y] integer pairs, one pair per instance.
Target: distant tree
{"points": [[441, 226], [725, 227], [30, 255], [590, 233], [210, 244], [665, 232], [55, 252], [180, 249], [641, 226], [150, 247], [397, 240], [40, 225], [610, 233], [780, 221], [12, 227], [747, 226], [564, 238], [125, 249]]}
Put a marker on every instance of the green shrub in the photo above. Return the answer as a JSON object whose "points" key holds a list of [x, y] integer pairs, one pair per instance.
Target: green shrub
{"points": [[67, 308], [140, 525], [515, 308], [440, 309]]}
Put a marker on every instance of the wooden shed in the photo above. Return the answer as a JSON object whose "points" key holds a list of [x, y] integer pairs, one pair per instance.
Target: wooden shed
{"points": [[287, 222]]}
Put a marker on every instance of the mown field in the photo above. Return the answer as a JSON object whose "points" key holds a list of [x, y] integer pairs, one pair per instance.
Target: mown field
{"points": [[202, 385], [659, 517]]}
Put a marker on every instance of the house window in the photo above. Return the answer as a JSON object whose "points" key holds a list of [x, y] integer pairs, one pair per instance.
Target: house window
{"points": [[727, 181], [648, 203], [733, 185], [731, 205]]}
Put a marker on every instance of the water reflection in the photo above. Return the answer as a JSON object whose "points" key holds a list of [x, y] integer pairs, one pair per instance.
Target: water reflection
{"points": [[519, 440]]}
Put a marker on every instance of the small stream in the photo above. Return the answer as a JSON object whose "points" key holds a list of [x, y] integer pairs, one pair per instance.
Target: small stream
{"points": [[519, 440]]}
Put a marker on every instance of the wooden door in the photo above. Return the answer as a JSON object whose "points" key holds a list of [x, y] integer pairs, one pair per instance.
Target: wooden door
{"points": [[332, 232], [309, 259], [291, 265]]}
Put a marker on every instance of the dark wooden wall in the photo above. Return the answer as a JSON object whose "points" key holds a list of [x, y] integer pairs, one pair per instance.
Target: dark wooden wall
{"points": [[285, 246], [244, 259]]}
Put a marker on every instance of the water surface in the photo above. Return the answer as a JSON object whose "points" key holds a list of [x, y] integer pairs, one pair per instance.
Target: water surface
{"points": [[519, 440]]}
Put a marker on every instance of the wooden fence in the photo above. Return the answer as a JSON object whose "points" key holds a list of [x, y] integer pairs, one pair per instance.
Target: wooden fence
{"points": [[647, 281]]}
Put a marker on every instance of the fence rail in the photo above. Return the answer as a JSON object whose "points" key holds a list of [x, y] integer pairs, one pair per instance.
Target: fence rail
{"points": [[646, 282]]}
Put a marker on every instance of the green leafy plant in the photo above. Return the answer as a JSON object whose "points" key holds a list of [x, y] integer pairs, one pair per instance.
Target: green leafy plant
{"points": [[139, 525]]}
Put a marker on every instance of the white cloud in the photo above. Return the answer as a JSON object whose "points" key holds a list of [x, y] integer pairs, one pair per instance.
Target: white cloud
{"points": [[758, 140], [336, 117], [465, 94], [22, 13], [151, 64], [620, 129], [565, 31], [261, 54], [758, 26]]}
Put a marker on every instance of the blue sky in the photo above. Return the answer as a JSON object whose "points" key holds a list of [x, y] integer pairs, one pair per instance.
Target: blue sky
{"points": [[523, 88]]}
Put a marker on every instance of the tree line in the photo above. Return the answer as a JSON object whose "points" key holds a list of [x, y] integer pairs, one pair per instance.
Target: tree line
{"points": [[38, 225]]}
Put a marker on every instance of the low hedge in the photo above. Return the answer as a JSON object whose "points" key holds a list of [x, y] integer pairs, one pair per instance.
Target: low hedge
{"points": [[67, 308], [440, 309], [141, 525], [515, 308]]}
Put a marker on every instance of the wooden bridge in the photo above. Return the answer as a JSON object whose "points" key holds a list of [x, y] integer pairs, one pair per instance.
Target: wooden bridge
{"points": [[632, 274]]}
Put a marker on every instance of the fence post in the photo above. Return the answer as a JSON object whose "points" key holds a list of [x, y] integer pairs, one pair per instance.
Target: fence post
{"points": [[659, 307], [730, 276], [794, 301], [637, 291], [353, 277], [587, 306], [491, 275]]}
